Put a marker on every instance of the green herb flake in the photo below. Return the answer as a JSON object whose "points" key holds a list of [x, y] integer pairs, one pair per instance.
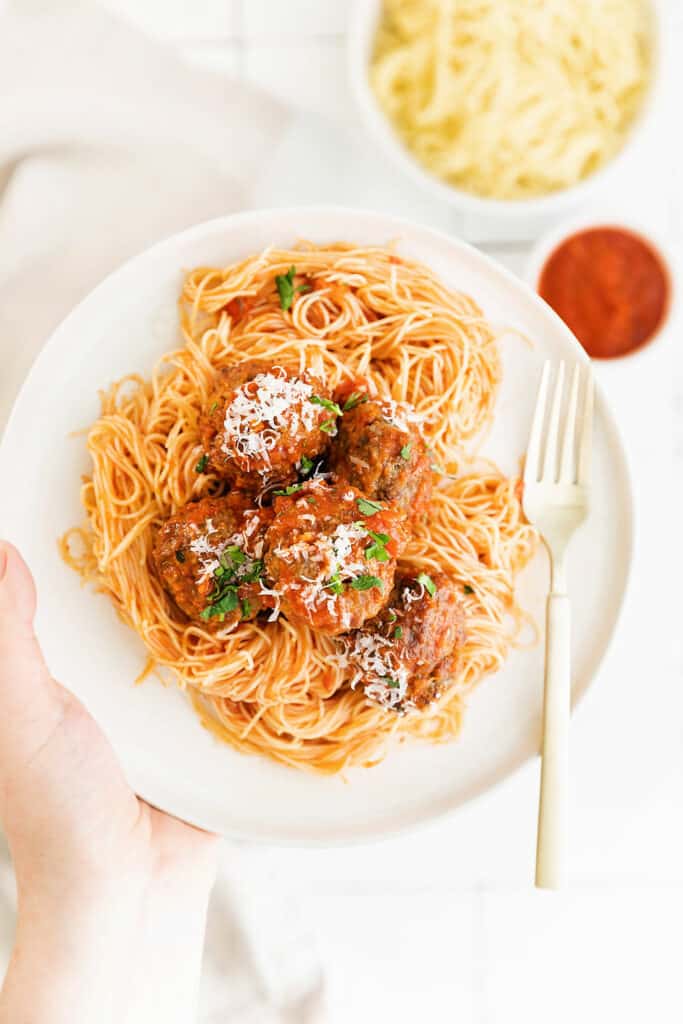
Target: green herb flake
{"points": [[233, 555], [226, 603], [326, 403], [467, 589], [311, 500], [378, 550], [329, 427], [246, 609], [286, 290], [390, 681], [366, 582], [180, 555], [354, 399], [202, 464], [254, 572], [428, 583], [368, 508], [212, 408], [306, 465], [392, 616], [288, 491], [405, 451], [335, 584], [398, 633]]}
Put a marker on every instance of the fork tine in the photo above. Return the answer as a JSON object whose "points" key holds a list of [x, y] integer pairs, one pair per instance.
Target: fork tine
{"points": [[567, 463], [550, 461], [533, 455], [586, 441]]}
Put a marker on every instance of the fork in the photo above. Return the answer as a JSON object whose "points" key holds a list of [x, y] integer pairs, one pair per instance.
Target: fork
{"points": [[556, 502]]}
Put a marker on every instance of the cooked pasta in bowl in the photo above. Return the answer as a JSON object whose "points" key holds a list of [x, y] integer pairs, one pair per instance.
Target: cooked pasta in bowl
{"points": [[505, 104]]}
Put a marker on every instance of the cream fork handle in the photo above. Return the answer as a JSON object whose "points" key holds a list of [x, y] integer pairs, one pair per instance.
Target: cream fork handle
{"points": [[551, 846]]}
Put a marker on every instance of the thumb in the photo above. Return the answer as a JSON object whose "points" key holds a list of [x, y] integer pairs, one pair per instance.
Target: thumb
{"points": [[31, 703]]}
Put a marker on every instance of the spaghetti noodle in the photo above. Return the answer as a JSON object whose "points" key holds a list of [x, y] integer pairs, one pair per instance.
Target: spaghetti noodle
{"points": [[276, 688], [512, 99]]}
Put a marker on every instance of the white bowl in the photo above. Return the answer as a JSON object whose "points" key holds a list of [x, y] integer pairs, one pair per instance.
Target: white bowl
{"points": [[362, 28], [552, 239], [124, 326]]}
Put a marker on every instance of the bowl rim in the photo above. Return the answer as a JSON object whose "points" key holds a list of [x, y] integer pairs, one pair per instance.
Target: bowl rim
{"points": [[362, 20]]}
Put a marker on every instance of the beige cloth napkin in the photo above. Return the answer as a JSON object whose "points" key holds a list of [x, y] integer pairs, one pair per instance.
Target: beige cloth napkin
{"points": [[107, 144]]}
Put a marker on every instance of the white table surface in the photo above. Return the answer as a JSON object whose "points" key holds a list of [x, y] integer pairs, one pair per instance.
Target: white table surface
{"points": [[443, 925]]}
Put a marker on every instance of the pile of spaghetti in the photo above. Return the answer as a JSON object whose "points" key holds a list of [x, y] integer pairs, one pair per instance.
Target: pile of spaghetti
{"points": [[276, 688]]}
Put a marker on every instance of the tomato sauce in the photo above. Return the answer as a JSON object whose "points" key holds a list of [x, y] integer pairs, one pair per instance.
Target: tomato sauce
{"points": [[611, 288]]}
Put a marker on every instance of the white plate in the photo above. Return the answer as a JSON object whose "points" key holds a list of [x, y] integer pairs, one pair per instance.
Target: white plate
{"points": [[123, 326]]}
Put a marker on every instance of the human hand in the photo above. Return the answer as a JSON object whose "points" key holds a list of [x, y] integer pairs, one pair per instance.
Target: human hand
{"points": [[112, 893]]}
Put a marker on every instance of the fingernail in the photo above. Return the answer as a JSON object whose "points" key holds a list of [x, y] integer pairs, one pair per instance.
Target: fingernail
{"points": [[3, 559]]}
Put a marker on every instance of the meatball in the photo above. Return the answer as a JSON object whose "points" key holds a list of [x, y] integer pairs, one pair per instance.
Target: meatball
{"points": [[261, 421], [405, 657], [331, 555], [209, 559], [380, 451]]}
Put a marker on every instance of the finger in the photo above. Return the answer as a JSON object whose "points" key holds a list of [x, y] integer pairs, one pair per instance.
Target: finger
{"points": [[30, 701]]}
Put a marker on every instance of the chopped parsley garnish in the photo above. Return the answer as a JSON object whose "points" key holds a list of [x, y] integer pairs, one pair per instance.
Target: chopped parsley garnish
{"points": [[235, 569], [329, 426], [326, 403], [354, 399], [310, 499], [378, 550], [398, 633], [180, 555], [428, 583], [405, 451], [233, 555], [246, 609], [390, 681], [286, 290], [219, 608], [365, 583], [467, 589], [202, 464], [253, 573], [292, 489], [213, 407], [392, 616], [368, 508], [306, 465], [335, 583]]}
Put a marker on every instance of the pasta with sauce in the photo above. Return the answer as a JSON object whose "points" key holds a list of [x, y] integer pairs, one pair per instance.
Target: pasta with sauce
{"points": [[286, 511]]}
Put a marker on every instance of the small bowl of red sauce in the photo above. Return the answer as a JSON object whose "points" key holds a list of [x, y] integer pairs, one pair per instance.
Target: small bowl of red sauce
{"points": [[609, 282]]}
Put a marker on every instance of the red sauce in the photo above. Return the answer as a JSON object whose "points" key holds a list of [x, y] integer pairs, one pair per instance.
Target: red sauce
{"points": [[610, 287]]}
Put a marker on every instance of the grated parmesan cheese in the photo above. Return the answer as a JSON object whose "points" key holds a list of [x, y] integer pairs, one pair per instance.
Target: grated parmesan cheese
{"points": [[271, 402], [209, 553], [400, 415], [376, 665]]}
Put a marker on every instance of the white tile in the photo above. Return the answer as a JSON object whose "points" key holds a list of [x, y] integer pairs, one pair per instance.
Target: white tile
{"points": [[592, 955], [295, 17], [309, 75], [179, 19], [400, 955]]}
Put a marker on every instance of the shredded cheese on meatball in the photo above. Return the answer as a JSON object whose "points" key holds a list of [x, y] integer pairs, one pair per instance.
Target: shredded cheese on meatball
{"points": [[261, 410], [210, 553], [384, 679], [400, 415]]}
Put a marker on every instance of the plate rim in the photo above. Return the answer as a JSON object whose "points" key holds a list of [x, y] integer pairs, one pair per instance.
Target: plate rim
{"points": [[417, 818]]}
